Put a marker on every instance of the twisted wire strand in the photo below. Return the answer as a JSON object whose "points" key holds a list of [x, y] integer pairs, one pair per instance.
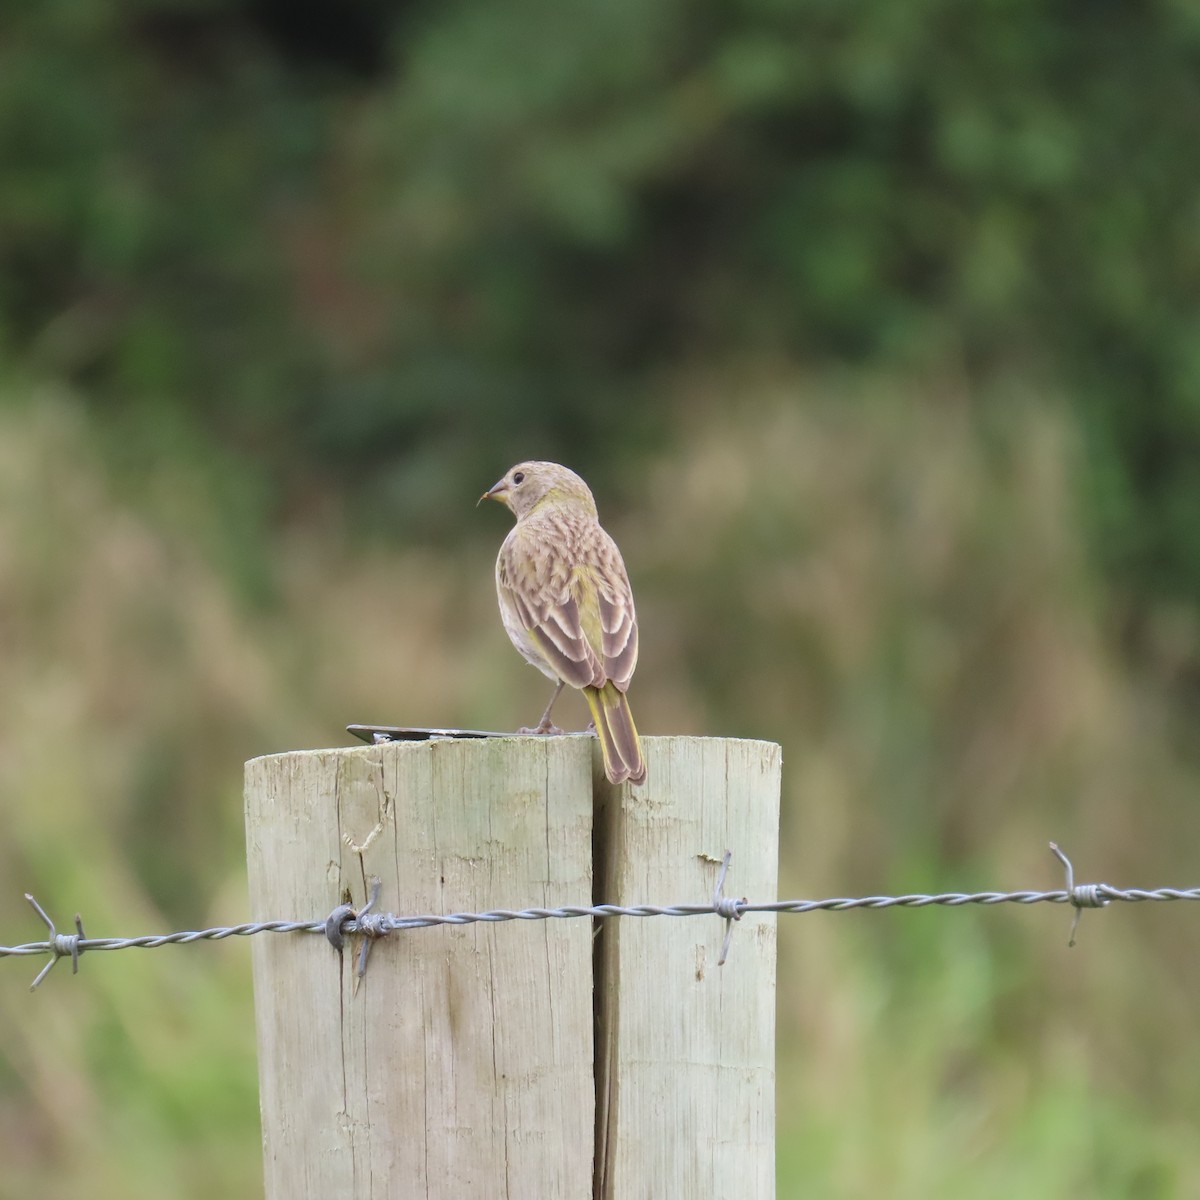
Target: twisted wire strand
{"points": [[346, 922], [392, 922], [152, 941]]}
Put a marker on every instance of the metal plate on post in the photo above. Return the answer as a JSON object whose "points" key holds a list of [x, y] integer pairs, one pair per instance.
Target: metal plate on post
{"points": [[374, 734]]}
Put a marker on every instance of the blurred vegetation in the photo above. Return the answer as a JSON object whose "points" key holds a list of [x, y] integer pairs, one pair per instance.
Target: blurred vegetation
{"points": [[875, 328]]}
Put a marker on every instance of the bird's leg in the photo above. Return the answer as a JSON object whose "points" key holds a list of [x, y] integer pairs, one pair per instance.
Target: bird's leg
{"points": [[545, 725]]}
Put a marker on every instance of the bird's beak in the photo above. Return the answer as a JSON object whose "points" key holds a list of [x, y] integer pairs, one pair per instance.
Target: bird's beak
{"points": [[498, 491]]}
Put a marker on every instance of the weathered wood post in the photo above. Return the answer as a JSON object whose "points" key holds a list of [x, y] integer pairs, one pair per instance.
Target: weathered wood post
{"points": [[464, 1062], [686, 1049]]}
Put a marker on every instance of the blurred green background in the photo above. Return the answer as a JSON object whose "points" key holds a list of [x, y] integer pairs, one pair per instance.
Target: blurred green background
{"points": [[875, 328]]}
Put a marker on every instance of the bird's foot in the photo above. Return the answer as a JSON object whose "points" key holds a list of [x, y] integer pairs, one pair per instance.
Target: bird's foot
{"points": [[544, 729]]}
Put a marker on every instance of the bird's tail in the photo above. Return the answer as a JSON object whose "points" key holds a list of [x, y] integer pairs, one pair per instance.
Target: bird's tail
{"points": [[618, 735]]}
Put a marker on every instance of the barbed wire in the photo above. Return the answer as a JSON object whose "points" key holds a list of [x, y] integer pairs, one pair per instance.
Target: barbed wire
{"points": [[345, 921]]}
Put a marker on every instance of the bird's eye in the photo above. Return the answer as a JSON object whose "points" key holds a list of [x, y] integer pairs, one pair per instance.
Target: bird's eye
{"points": [[519, 477]]}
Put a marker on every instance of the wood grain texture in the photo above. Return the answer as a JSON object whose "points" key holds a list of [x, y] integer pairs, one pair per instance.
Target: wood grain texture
{"points": [[461, 1065], [686, 1058]]}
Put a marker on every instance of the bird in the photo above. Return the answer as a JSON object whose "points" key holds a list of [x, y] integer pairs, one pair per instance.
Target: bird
{"points": [[567, 606]]}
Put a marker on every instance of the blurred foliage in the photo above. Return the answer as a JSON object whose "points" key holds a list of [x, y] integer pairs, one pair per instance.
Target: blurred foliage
{"points": [[393, 245], [897, 595], [875, 327]]}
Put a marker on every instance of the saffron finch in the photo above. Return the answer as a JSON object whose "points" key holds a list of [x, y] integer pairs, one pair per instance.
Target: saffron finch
{"points": [[567, 606]]}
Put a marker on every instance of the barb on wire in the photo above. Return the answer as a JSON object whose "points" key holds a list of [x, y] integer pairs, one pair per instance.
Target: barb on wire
{"points": [[60, 945], [1087, 895], [726, 907], [369, 925], [345, 922]]}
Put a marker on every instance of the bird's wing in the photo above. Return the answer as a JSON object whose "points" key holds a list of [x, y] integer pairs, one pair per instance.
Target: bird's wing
{"points": [[536, 576], [617, 619]]}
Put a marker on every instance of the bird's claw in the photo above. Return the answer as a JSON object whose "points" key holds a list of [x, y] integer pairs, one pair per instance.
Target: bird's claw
{"points": [[546, 729]]}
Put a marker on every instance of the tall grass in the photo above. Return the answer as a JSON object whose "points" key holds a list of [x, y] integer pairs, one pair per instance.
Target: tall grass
{"points": [[865, 571]]}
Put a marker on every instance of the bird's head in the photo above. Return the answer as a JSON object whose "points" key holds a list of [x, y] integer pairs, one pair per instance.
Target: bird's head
{"points": [[530, 485]]}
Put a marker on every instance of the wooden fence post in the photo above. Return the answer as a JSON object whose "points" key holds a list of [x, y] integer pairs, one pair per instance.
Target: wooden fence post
{"points": [[461, 1064], [686, 1048]]}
